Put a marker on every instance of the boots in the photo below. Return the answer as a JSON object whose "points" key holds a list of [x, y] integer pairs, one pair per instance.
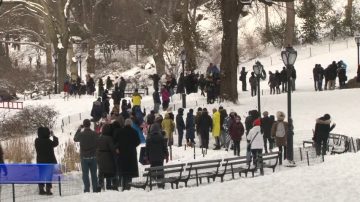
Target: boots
{"points": [[48, 191]]}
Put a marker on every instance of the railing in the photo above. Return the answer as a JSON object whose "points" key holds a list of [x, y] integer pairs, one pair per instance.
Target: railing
{"points": [[11, 105]]}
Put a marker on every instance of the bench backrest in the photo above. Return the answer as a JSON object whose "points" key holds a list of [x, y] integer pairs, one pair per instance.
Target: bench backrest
{"points": [[164, 170], [270, 156], [234, 162], [199, 165]]}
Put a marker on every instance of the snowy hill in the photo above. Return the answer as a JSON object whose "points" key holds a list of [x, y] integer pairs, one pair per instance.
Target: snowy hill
{"points": [[321, 182]]}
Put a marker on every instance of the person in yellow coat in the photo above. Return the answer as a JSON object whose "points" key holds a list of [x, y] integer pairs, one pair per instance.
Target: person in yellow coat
{"points": [[168, 126], [216, 128], [136, 99]]}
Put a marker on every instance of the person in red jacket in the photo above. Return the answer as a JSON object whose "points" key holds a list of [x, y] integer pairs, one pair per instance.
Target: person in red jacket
{"points": [[236, 131]]}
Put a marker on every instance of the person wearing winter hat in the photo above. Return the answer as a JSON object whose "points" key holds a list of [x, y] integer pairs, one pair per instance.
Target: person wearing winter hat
{"points": [[256, 140], [266, 124], [321, 134], [197, 124], [180, 125], [45, 154], [279, 132]]}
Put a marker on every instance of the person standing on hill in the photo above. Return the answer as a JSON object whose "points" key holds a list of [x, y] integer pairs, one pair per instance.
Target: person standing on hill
{"points": [[122, 87], [242, 78], [136, 99], [253, 84], [165, 95], [180, 125], [45, 154], [321, 134], [283, 75], [109, 83], [88, 143]]}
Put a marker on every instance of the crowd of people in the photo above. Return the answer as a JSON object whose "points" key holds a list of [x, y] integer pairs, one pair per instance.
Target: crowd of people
{"points": [[73, 87], [335, 69]]}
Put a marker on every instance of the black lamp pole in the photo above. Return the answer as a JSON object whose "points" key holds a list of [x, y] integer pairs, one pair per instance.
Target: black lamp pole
{"points": [[56, 73], [258, 71], [357, 40], [289, 56]]}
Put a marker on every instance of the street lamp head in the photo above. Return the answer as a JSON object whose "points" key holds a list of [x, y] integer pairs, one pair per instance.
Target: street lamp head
{"points": [[357, 40], [257, 68], [289, 56]]}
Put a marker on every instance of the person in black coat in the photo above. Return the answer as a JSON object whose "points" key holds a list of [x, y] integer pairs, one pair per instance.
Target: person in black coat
{"points": [[202, 84], [321, 134], [277, 81], [242, 78], [97, 110], [190, 128], [156, 146], [157, 101], [127, 141], [205, 124], [122, 87], [105, 156], [181, 84], [156, 79], [266, 124], [180, 125], [283, 80], [45, 154]]}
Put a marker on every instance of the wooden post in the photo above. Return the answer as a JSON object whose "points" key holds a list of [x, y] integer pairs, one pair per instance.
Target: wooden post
{"points": [[301, 157], [170, 153], [194, 152]]}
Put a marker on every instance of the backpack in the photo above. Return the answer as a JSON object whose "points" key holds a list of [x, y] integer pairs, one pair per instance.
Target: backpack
{"points": [[280, 130], [226, 124]]}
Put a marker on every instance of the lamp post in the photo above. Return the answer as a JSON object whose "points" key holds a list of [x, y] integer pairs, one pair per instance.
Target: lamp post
{"points": [[55, 56], [183, 60], [357, 40], [289, 56], [78, 58], [258, 69]]}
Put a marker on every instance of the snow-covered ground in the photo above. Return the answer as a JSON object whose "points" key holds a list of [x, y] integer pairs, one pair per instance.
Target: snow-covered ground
{"points": [[334, 180]]}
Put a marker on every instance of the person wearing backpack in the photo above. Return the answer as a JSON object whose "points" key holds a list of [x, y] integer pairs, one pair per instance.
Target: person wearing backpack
{"points": [[279, 131], [256, 140]]}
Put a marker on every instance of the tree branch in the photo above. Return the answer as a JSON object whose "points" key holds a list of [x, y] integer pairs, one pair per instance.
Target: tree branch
{"points": [[26, 43]]}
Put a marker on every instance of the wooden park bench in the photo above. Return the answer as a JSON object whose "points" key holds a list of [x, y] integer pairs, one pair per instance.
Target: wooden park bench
{"points": [[266, 161], [341, 144], [201, 169], [234, 165], [161, 175]]}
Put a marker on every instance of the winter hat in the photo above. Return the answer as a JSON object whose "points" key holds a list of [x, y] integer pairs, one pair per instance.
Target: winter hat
{"points": [[280, 115], [180, 110], [199, 109], [214, 110], [43, 132], [191, 111], [257, 122], [327, 117]]}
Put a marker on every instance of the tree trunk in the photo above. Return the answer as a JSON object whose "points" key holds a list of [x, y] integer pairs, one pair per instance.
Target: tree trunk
{"points": [[348, 15], [61, 68], [290, 24], [188, 41], [267, 24], [159, 60], [91, 56], [229, 52], [49, 60]]}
